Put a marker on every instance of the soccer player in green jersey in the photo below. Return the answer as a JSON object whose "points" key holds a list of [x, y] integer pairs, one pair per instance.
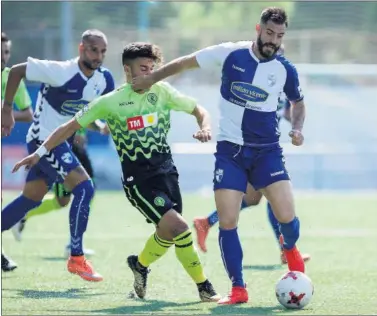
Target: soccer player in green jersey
{"points": [[24, 114], [139, 123]]}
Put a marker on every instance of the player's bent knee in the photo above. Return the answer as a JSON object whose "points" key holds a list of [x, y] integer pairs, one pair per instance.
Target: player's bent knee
{"points": [[171, 225], [63, 201], [75, 178], [35, 190]]}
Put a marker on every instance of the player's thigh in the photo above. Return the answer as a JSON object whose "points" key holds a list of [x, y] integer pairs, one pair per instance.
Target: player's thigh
{"points": [[35, 189], [280, 196], [152, 198], [252, 197]]}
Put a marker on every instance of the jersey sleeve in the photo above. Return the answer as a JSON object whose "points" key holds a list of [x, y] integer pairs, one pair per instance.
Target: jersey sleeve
{"points": [[178, 101], [292, 87], [22, 97], [50, 72], [213, 57], [110, 85], [97, 109]]}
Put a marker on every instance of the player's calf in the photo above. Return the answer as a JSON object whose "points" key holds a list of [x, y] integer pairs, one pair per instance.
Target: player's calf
{"points": [[280, 196]]}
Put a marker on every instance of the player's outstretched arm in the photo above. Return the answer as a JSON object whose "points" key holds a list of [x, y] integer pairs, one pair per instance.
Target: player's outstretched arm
{"points": [[23, 103], [174, 67], [204, 121], [25, 115], [16, 74], [60, 135], [297, 120]]}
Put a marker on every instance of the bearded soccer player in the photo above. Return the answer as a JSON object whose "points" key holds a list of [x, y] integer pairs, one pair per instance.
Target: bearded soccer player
{"points": [[66, 87], [252, 197], [139, 124], [24, 114], [253, 77]]}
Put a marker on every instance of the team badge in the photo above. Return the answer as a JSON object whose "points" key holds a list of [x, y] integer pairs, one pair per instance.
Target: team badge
{"points": [[271, 80], [152, 98], [219, 173]]}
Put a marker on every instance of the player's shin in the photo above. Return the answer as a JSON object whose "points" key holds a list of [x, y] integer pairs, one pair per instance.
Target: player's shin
{"points": [[274, 223], [79, 214], [188, 256], [290, 234], [16, 210], [154, 249], [232, 255]]}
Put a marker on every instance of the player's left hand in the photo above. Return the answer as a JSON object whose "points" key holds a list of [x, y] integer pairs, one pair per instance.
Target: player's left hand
{"points": [[7, 121], [297, 137], [203, 135], [28, 162]]}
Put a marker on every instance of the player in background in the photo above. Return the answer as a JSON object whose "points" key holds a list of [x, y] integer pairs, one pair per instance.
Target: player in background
{"points": [[67, 87], [252, 197], [253, 77], [22, 102], [139, 124], [62, 196]]}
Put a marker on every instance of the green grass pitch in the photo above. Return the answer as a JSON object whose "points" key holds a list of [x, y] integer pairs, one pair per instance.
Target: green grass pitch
{"points": [[339, 231]]}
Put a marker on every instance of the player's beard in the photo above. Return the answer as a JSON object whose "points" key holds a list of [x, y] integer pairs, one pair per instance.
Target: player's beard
{"points": [[261, 45], [89, 65]]}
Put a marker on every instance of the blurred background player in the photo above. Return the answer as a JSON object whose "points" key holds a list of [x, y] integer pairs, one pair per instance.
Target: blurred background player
{"points": [[150, 178], [62, 196], [202, 225], [67, 87], [23, 103]]}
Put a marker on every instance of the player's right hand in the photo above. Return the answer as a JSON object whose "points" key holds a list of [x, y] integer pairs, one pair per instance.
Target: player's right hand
{"points": [[142, 83], [7, 121], [203, 135], [28, 162]]}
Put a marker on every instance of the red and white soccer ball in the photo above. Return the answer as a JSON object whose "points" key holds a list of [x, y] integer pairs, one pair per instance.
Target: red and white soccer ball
{"points": [[294, 290]]}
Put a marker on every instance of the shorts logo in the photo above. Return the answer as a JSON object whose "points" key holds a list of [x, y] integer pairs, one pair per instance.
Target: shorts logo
{"points": [[142, 121], [277, 173], [67, 158], [152, 98], [219, 173], [159, 201]]}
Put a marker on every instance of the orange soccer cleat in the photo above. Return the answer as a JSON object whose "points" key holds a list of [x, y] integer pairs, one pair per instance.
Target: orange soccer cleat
{"points": [[83, 268], [202, 229]]}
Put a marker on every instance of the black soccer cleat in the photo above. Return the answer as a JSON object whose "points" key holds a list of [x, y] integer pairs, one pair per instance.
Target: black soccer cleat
{"points": [[140, 274], [7, 264], [207, 293]]}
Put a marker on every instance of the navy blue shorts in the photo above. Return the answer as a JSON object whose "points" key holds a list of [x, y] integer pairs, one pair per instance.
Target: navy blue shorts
{"points": [[54, 166], [237, 165]]}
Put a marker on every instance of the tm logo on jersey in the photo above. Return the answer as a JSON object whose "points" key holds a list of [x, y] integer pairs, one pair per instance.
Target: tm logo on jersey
{"points": [[247, 92], [142, 121], [71, 107]]}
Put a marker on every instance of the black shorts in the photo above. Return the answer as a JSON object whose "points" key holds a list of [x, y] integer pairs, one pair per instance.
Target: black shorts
{"points": [[83, 157], [155, 196]]}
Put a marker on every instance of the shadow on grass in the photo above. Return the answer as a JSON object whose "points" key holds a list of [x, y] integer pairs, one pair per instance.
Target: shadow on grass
{"points": [[268, 267], [54, 258], [41, 295]]}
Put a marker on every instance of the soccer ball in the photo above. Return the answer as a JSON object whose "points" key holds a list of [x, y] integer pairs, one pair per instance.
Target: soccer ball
{"points": [[294, 290]]}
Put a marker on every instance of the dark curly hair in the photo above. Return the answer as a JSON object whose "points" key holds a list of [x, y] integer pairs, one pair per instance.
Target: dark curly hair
{"points": [[141, 49], [274, 14]]}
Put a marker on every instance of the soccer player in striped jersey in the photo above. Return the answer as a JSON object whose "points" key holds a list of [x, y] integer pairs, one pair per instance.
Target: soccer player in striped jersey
{"points": [[253, 77], [252, 197], [67, 86]]}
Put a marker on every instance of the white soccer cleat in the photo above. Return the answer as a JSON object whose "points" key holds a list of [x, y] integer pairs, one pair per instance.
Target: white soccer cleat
{"points": [[18, 228], [87, 252]]}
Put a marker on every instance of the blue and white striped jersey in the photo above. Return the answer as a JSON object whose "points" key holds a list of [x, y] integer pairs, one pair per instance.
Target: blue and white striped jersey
{"points": [[249, 92], [65, 90]]}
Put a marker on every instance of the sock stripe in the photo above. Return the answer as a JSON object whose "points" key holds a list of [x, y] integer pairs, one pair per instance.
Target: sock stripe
{"points": [[184, 246], [168, 242], [180, 237], [165, 245]]}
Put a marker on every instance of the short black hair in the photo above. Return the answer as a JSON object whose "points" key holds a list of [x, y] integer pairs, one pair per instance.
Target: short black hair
{"points": [[274, 14], [141, 49], [4, 38], [85, 37]]}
